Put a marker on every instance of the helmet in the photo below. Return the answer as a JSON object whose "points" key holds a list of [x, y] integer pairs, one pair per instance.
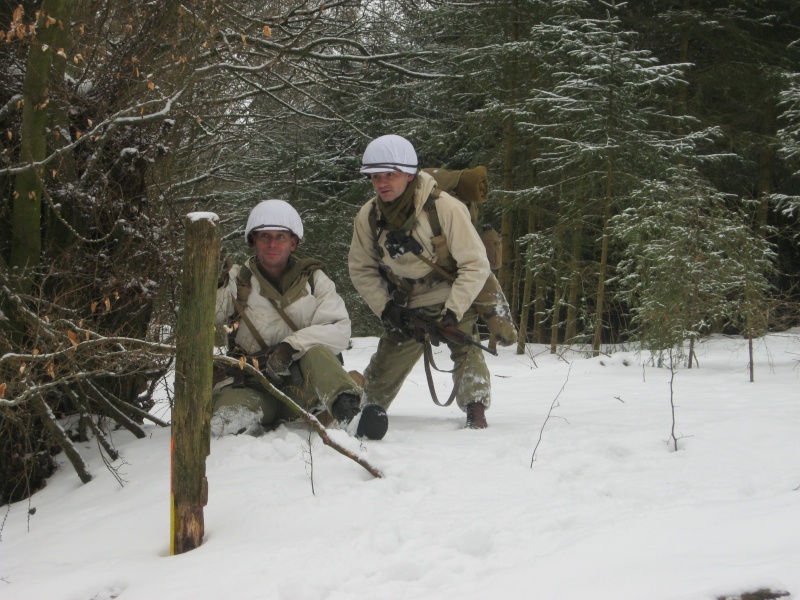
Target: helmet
{"points": [[389, 153], [273, 215]]}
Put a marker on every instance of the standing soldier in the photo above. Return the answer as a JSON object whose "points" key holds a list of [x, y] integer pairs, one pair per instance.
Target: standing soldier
{"points": [[391, 264], [291, 317]]}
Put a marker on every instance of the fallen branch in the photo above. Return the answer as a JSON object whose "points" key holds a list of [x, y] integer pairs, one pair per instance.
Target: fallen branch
{"points": [[298, 411], [60, 436]]}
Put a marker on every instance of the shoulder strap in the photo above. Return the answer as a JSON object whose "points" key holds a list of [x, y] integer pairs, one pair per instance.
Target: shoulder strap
{"points": [[240, 308], [375, 228], [433, 215], [243, 288]]}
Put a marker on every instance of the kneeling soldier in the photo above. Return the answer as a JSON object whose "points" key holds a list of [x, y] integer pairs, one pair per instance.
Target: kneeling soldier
{"points": [[292, 318]]}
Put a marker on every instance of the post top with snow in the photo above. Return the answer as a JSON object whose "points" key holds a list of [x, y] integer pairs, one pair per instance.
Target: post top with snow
{"points": [[199, 216]]}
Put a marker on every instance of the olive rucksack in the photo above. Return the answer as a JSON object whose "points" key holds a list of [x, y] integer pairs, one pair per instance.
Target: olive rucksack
{"points": [[471, 186]]}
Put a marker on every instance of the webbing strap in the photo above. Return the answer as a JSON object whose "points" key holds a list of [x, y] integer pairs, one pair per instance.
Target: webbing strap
{"points": [[253, 331]]}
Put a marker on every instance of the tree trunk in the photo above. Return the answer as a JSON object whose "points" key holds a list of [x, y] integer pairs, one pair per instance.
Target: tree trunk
{"points": [[571, 331], [191, 414], [525, 308], [26, 234], [602, 272], [556, 320], [506, 276]]}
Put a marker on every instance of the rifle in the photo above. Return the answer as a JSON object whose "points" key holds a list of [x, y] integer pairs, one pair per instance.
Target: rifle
{"points": [[437, 333]]}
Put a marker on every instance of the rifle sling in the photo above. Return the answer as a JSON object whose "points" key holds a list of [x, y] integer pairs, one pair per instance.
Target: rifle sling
{"points": [[427, 352], [283, 314], [436, 267]]}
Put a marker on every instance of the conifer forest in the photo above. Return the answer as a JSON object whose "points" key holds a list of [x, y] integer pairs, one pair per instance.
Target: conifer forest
{"points": [[643, 157]]}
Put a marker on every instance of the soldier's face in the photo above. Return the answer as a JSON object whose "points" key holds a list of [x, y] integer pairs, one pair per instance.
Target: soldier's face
{"points": [[273, 249], [390, 186]]}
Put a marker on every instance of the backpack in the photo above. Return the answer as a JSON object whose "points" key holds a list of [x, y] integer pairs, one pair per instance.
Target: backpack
{"points": [[471, 187]]}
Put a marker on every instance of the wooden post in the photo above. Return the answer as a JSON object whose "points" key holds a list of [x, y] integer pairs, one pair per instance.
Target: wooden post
{"points": [[191, 413]]}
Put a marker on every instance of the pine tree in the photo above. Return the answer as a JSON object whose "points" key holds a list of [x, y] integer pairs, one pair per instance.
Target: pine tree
{"points": [[691, 260]]}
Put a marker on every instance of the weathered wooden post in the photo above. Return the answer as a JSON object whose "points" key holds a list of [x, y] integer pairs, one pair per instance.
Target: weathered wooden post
{"points": [[191, 413]]}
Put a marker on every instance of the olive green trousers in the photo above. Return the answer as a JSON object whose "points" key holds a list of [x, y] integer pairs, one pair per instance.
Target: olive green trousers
{"points": [[316, 379], [397, 355]]}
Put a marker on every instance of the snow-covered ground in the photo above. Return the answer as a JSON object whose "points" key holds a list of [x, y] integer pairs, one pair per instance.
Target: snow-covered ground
{"points": [[606, 511]]}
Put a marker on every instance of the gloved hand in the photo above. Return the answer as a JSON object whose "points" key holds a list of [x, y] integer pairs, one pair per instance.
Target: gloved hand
{"points": [[448, 321], [225, 264], [279, 360], [395, 319]]}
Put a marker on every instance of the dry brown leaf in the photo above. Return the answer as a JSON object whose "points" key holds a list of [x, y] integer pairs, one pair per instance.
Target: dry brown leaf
{"points": [[36, 352], [73, 338], [2, 390], [242, 362], [267, 31], [107, 303], [93, 306], [254, 360]]}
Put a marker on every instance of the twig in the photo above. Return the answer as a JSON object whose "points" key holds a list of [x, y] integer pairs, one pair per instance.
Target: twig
{"points": [[310, 462], [549, 413]]}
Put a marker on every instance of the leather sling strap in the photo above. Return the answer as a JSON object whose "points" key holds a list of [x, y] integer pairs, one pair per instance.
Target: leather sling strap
{"points": [[283, 314], [250, 325], [428, 359]]}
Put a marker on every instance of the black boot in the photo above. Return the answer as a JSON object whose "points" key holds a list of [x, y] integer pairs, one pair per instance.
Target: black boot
{"points": [[373, 422]]}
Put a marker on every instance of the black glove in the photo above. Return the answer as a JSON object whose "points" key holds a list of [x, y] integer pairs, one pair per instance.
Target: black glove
{"points": [[396, 319], [448, 321], [279, 360], [225, 264]]}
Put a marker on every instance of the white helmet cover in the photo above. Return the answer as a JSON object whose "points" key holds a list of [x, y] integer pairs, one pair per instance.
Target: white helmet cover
{"points": [[273, 215], [389, 153]]}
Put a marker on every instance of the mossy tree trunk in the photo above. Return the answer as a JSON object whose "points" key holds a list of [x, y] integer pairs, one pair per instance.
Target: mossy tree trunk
{"points": [[26, 233]]}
